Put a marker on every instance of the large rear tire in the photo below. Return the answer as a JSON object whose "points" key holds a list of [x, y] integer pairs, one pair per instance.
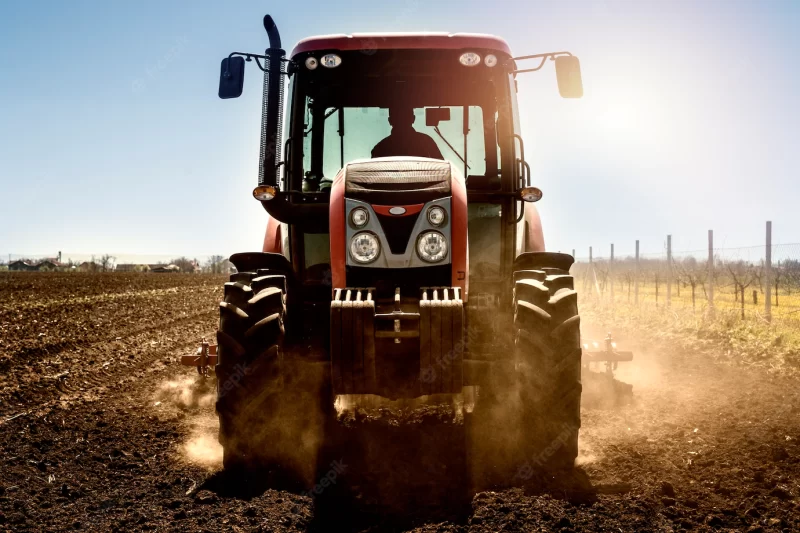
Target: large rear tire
{"points": [[548, 356]]}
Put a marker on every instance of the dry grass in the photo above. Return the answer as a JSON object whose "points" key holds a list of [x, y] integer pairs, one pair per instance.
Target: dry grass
{"points": [[723, 335]]}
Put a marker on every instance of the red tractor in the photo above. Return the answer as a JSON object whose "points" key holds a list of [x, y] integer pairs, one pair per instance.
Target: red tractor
{"points": [[403, 255]]}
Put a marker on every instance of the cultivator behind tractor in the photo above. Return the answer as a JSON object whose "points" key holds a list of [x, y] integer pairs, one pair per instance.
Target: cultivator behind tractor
{"points": [[403, 254], [602, 387], [206, 356]]}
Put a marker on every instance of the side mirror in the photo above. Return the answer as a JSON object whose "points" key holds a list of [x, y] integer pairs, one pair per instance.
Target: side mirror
{"points": [[568, 73], [231, 77], [435, 115]]}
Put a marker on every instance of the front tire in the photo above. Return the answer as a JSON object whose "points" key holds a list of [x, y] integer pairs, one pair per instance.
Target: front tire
{"points": [[548, 356], [249, 377]]}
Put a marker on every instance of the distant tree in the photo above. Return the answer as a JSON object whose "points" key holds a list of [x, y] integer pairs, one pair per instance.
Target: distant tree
{"points": [[215, 264], [743, 275], [600, 276], [106, 262], [692, 273], [628, 277], [184, 263]]}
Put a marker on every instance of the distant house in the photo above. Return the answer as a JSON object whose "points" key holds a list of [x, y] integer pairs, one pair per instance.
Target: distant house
{"points": [[45, 265], [22, 266], [132, 267], [48, 265], [88, 266], [164, 269]]}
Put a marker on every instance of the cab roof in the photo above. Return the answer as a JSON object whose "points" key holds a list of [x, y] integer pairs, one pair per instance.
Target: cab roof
{"points": [[402, 41]]}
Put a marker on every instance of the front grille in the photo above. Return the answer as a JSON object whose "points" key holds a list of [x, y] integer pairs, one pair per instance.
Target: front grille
{"points": [[397, 230], [381, 181]]}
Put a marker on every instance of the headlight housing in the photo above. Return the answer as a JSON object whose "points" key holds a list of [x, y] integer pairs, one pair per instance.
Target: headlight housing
{"points": [[436, 215], [364, 247], [359, 217], [432, 246]]}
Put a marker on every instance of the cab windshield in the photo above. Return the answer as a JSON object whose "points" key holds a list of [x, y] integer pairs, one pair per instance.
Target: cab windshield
{"points": [[346, 116]]}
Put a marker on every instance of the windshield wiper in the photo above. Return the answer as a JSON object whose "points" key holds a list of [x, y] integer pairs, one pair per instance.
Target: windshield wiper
{"points": [[439, 133], [329, 113]]}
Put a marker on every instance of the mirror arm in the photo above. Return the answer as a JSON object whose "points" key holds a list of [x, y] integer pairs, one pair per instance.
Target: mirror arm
{"points": [[527, 173], [551, 55], [521, 158], [521, 213], [249, 57]]}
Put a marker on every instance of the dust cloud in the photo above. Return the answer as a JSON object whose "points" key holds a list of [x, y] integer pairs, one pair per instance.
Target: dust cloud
{"points": [[191, 400]]}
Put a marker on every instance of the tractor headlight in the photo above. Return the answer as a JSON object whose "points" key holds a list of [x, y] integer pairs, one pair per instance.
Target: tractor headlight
{"points": [[359, 216], [364, 247], [470, 59], [432, 247], [436, 215]]}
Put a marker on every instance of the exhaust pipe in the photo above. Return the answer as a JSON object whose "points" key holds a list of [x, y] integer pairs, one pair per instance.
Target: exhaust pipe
{"points": [[272, 116]]}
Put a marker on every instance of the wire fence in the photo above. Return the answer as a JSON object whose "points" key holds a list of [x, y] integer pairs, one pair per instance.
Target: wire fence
{"points": [[756, 282]]}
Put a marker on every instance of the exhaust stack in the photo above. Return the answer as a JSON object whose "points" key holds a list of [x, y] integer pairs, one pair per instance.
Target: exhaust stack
{"points": [[272, 108]]}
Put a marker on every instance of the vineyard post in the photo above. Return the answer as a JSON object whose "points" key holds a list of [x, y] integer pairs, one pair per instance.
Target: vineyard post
{"points": [[589, 274], [710, 276], [768, 274], [636, 279], [611, 274], [669, 270]]}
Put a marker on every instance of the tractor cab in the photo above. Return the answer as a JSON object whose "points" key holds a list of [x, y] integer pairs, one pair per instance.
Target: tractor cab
{"points": [[360, 97]]}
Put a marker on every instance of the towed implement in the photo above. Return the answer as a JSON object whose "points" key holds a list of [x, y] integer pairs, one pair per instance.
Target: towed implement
{"points": [[403, 255]]}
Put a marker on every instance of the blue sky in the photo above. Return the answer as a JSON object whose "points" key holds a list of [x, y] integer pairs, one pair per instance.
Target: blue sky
{"points": [[112, 138]]}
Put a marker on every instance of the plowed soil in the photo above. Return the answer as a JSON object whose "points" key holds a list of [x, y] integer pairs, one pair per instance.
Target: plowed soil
{"points": [[101, 429]]}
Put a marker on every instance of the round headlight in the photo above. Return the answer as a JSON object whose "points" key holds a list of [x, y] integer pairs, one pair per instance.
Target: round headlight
{"points": [[470, 59], [490, 60], [436, 215], [432, 247], [359, 217], [311, 63], [364, 247], [331, 61]]}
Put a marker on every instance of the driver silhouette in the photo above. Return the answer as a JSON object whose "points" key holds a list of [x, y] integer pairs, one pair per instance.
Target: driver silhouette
{"points": [[404, 139]]}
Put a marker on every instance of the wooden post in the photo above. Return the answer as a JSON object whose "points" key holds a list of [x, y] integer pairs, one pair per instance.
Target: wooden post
{"points": [[669, 270], [636, 279], [611, 274], [768, 274], [587, 281], [710, 275]]}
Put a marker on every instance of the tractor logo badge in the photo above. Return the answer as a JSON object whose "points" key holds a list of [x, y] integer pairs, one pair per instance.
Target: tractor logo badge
{"points": [[397, 211]]}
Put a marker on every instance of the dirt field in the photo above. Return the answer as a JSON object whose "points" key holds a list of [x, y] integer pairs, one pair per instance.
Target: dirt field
{"points": [[101, 429]]}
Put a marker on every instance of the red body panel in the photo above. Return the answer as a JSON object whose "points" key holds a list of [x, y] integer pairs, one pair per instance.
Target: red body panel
{"points": [[410, 209], [459, 256], [534, 237], [402, 41], [337, 233], [272, 237]]}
